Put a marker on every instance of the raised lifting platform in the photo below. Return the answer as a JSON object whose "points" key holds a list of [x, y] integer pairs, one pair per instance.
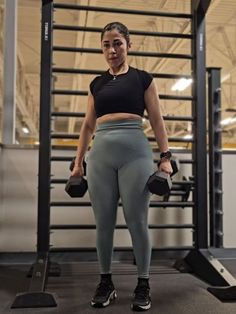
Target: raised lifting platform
{"points": [[203, 264]]}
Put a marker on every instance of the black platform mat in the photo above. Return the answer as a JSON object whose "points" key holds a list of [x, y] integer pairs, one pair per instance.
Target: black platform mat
{"points": [[172, 292]]}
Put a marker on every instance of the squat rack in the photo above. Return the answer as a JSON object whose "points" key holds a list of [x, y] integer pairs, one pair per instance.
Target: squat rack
{"points": [[198, 258]]}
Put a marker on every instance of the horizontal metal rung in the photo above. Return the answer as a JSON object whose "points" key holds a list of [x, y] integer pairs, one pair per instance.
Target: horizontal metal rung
{"points": [[62, 180], [68, 114], [177, 193], [180, 189], [184, 182], [186, 161], [132, 32], [181, 161], [152, 204], [85, 227], [178, 118], [69, 158], [61, 158], [176, 185], [131, 53], [99, 72], [119, 10], [118, 249], [58, 181], [174, 139], [69, 92], [175, 97], [218, 171], [64, 135]]}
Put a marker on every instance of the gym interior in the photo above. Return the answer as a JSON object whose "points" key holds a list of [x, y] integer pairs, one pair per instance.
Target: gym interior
{"points": [[50, 51]]}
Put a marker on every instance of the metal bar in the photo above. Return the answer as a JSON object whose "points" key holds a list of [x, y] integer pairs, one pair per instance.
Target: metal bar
{"points": [[66, 158], [178, 118], [85, 93], [120, 249], [175, 97], [89, 227], [64, 180], [37, 297], [131, 53], [200, 211], [186, 161], [69, 92], [152, 204], [45, 125], [122, 11], [68, 114], [183, 182], [132, 32], [174, 139], [215, 158], [202, 5], [41, 266], [64, 135], [99, 72], [181, 161], [61, 158]]}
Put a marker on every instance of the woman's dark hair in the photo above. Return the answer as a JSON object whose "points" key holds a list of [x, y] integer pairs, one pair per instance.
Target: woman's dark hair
{"points": [[122, 29]]}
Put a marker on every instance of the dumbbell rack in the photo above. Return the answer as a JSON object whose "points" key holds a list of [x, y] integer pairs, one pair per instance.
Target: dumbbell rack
{"points": [[215, 158], [198, 255]]}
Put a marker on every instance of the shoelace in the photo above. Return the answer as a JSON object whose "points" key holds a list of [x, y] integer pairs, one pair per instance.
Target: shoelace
{"points": [[102, 288], [141, 292]]}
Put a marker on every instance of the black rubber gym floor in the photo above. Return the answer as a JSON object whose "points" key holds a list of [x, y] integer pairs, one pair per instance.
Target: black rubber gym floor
{"points": [[172, 292]]}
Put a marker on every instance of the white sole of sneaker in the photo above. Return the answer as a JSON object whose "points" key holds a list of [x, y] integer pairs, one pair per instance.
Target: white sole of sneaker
{"points": [[140, 308], [111, 297]]}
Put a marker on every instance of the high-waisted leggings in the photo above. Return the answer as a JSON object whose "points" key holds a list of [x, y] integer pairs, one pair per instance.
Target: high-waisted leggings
{"points": [[118, 166]]}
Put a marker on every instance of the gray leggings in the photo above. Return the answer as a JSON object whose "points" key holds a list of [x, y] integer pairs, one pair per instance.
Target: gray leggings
{"points": [[118, 166]]}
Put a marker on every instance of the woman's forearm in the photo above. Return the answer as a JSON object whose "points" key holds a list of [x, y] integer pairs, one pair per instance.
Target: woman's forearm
{"points": [[86, 134], [160, 133]]}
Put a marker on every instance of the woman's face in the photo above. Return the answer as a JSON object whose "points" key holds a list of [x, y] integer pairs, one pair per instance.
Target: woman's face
{"points": [[115, 48]]}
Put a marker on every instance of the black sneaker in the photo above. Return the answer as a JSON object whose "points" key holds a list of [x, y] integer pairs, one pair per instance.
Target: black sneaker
{"points": [[104, 294], [141, 300]]}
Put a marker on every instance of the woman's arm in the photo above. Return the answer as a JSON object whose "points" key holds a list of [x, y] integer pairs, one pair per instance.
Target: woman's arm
{"points": [[86, 133], [157, 123]]}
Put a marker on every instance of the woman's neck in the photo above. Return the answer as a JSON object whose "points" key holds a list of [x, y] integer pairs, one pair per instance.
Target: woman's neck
{"points": [[123, 68]]}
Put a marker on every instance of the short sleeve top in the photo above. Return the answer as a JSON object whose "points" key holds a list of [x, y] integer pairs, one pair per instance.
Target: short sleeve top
{"points": [[124, 93]]}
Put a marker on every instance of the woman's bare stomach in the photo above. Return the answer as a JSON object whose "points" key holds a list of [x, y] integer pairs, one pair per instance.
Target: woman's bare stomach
{"points": [[118, 116]]}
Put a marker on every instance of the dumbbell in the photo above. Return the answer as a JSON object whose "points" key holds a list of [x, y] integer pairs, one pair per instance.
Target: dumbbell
{"points": [[160, 182], [76, 186]]}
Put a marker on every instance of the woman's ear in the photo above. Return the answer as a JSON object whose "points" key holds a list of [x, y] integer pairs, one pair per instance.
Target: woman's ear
{"points": [[129, 45]]}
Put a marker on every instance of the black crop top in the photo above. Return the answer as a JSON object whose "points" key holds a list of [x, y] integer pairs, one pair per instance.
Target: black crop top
{"points": [[125, 93]]}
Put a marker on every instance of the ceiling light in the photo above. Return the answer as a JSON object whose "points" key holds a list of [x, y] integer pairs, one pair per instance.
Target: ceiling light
{"points": [[228, 121], [25, 130], [188, 136], [181, 84]]}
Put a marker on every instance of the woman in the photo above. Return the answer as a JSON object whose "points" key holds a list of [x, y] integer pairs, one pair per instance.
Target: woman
{"points": [[120, 161]]}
